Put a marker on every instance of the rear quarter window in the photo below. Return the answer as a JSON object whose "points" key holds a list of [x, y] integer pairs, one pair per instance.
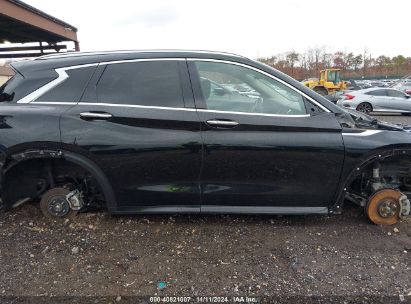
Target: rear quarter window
{"points": [[20, 86], [71, 89]]}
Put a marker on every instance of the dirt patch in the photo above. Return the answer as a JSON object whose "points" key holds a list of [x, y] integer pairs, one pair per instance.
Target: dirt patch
{"points": [[203, 255]]}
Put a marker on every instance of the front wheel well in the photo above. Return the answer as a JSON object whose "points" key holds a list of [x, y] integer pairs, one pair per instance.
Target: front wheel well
{"points": [[390, 170]]}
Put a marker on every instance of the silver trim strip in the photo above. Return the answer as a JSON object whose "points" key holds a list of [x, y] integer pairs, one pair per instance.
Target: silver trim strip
{"points": [[141, 60], [53, 103], [266, 74], [365, 133], [163, 108], [215, 122], [134, 106], [252, 114], [95, 115], [264, 209]]}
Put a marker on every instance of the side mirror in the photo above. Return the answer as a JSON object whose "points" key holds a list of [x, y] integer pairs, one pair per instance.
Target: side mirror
{"points": [[407, 96], [219, 91]]}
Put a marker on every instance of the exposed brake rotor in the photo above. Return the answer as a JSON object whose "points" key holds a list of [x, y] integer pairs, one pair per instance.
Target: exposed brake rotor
{"points": [[384, 207]]}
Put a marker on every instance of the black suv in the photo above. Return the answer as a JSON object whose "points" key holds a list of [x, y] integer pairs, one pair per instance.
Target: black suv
{"points": [[167, 131]]}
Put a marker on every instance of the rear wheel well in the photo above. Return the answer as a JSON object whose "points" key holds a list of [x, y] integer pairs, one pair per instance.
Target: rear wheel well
{"points": [[29, 179], [365, 107]]}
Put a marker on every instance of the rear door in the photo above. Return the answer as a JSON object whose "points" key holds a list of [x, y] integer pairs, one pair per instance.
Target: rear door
{"points": [[137, 121], [266, 148]]}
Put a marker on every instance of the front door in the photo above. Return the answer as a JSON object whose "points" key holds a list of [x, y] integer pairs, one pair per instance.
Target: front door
{"points": [[137, 121], [266, 147], [399, 101]]}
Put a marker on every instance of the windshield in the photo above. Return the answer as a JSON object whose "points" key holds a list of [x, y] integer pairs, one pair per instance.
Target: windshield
{"points": [[334, 76]]}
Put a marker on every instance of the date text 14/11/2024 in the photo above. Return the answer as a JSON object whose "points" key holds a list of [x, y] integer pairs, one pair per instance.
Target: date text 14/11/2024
{"points": [[204, 299]]}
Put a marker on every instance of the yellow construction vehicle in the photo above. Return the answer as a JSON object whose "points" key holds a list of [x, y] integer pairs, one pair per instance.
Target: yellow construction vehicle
{"points": [[329, 82]]}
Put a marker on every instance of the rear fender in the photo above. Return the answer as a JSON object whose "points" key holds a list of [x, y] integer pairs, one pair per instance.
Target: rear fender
{"points": [[80, 160]]}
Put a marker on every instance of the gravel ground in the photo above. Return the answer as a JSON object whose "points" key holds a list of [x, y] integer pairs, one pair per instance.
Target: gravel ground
{"points": [[279, 256]]}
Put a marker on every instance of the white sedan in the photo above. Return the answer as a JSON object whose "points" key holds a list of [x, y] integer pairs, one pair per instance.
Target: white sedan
{"points": [[377, 100]]}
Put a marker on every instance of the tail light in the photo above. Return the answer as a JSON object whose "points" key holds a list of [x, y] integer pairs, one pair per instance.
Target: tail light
{"points": [[348, 96]]}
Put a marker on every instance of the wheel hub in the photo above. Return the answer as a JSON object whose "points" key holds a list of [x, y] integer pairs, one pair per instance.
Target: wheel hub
{"points": [[58, 206], [387, 208]]}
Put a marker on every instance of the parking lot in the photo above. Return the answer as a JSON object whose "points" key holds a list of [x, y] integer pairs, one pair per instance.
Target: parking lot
{"points": [[97, 255]]}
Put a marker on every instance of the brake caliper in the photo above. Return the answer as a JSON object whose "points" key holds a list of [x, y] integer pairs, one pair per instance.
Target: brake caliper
{"points": [[405, 207], [75, 199]]}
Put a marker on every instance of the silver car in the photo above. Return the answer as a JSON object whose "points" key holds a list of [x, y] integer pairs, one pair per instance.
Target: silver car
{"points": [[377, 100]]}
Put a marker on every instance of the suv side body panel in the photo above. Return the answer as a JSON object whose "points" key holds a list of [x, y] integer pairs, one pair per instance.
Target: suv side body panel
{"points": [[153, 156]]}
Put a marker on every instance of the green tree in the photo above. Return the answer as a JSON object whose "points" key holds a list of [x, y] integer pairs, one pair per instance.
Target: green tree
{"points": [[357, 62], [292, 58], [349, 61], [398, 61]]}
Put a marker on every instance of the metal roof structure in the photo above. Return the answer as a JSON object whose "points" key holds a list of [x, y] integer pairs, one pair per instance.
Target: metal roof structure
{"points": [[22, 23]]}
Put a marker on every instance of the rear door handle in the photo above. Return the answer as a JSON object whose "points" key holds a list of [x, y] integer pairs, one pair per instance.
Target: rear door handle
{"points": [[95, 115], [222, 123]]}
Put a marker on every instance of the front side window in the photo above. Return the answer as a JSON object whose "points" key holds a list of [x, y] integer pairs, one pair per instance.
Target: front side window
{"points": [[233, 88], [152, 83]]}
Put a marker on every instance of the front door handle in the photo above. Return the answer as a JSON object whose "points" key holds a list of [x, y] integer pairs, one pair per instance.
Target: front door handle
{"points": [[95, 115], [222, 123]]}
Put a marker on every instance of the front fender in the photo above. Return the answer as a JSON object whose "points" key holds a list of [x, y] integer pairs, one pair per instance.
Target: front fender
{"points": [[364, 147]]}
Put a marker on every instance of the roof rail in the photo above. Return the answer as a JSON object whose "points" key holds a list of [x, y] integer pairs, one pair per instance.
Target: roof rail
{"points": [[79, 54]]}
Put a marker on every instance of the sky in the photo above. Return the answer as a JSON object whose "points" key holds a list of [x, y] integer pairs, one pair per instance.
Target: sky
{"points": [[253, 28]]}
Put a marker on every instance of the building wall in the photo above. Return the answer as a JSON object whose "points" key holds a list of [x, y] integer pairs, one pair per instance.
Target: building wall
{"points": [[5, 74], [3, 79]]}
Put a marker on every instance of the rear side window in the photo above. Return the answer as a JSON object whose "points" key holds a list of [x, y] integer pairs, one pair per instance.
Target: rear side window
{"points": [[377, 93], [72, 88], [154, 83]]}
